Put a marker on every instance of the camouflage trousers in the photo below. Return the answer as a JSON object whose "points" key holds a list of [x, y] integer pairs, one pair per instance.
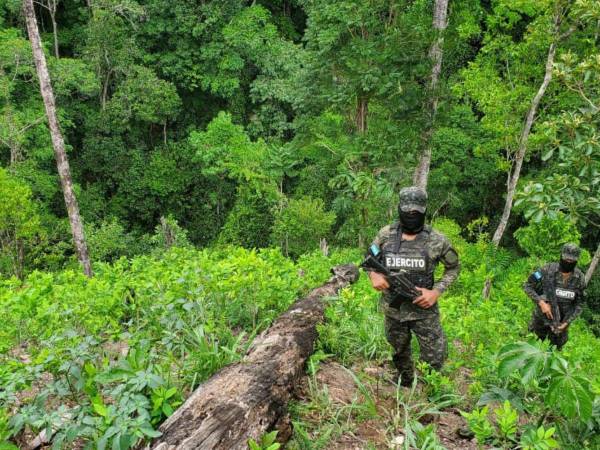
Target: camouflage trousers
{"points": [[432, 344], [538, 326]]}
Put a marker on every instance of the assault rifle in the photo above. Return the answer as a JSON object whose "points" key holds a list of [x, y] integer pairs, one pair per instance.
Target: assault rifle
{"points": [[550, 294], [401, 287]]}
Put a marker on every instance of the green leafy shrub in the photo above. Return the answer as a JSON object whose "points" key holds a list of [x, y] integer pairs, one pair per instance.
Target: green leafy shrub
{"points": [[267, 442], [591, 311], [126, 346], [300, 225], [480, 424], [107, 241], [450, 229], [19, 224], [248, 221], [539, 439], [544, 239], [169, 234], [566, 392], [144, 97]]}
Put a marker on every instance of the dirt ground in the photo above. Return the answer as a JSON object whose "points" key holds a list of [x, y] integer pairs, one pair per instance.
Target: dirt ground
{"points": [[378, 433]]}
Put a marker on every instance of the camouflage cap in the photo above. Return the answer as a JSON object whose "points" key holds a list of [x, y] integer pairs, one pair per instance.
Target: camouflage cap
{"points": [[413, 198], [570, 251]]}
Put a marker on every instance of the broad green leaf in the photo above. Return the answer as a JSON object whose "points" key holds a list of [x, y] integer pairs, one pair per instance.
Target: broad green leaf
{"points": [[546, 156], [571, 395], [523, 357]]}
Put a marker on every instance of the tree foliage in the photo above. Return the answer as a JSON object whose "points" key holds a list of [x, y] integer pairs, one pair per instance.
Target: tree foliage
{"points": [[221, 113]]}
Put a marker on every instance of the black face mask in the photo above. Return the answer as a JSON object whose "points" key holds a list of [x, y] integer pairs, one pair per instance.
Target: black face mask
{"points": [[412, 222], [566, 266]]}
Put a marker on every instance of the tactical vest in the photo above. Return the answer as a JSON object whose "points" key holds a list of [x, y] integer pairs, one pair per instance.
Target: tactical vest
{"points": [[411, 257], [563, 296]]}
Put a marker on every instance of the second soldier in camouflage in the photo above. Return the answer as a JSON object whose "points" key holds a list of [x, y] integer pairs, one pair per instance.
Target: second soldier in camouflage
{"points": [[415, 248], [557, 290]]}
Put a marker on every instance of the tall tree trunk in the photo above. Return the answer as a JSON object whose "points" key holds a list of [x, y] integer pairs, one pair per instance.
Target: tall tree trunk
{"points": [[362, 110], [523, 141], [104, 97], [58, 143], [436, 53], [52, 6], [12, 140], [591, 269], [55, 33], [513, 179]]}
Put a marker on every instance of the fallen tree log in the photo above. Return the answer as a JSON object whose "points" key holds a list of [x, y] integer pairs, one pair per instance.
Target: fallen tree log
{"points": [[247, 398]]}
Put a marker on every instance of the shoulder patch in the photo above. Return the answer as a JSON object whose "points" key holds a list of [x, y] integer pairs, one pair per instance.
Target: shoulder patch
{"points": [[537, 275], [451, 257]]}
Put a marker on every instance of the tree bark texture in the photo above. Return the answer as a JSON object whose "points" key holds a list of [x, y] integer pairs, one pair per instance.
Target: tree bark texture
{"points": [[362, 111], [246, 399], [58, 143], [436, 53], [593, 264], [52, 7]]}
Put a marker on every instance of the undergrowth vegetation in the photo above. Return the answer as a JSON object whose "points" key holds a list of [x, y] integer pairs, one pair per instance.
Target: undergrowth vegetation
{"points": [[101, 362], [513, 391]]}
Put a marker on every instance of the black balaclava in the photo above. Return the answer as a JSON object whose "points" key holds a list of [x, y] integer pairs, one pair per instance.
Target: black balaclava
{"points": [[566, 266], [412, 221]]}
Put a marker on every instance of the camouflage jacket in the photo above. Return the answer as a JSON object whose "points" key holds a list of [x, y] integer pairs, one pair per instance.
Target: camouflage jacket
{"points": [[569, 294], [425, 252]]}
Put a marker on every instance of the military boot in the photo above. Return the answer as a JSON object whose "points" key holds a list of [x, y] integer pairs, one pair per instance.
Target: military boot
{"points": [[405, 370]]}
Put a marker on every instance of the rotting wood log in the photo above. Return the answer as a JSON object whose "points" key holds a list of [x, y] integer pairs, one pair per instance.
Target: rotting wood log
{"points": [[246, 399]]}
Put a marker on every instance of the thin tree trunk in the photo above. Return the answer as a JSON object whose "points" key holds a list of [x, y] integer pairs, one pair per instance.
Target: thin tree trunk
{"points": [[167, 232], [523, 141], [362, 110], [16, 154], [55, 33], [436, 53], [591, 269], [514, 178], [58, 143], [13, 145], [20, 260], [104, 97], [52, 6]]}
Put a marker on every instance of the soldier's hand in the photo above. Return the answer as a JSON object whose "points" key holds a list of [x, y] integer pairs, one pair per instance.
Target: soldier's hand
{"points": [[562, 327], [546, 309], [428, 297], [378, 281]]}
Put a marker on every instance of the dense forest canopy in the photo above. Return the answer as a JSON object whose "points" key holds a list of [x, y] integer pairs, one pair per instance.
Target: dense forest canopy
{"points": [[223, 155], [279, 122]]}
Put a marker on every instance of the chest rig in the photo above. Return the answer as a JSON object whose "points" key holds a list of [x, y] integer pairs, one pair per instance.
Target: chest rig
{"points": [[410, 257], [562, 293], [563, 290]]}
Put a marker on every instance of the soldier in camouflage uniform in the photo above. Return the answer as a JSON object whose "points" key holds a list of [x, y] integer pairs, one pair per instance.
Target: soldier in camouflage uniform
{"points": [[411, 246], [560, 283]]}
